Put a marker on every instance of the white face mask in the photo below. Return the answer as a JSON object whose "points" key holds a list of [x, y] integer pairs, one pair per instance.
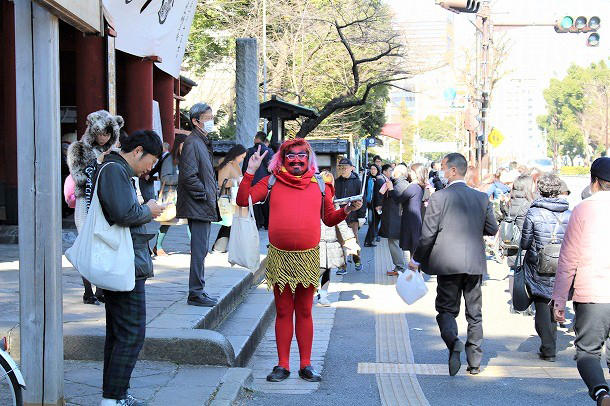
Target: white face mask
{"points": [[441, 176], [208, 126]]}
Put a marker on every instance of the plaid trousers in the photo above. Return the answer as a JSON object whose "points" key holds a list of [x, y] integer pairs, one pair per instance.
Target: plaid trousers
{"points": [[125, 332]]}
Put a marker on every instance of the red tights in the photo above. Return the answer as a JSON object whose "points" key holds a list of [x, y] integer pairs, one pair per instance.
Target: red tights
{"points": [[286, 304]]}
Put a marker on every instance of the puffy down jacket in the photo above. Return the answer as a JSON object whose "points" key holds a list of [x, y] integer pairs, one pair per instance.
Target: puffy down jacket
{"points": [[537, 231]]}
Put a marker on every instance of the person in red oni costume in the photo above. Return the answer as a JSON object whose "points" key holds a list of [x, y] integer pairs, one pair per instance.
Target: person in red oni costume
{"points": [[296, 204]]}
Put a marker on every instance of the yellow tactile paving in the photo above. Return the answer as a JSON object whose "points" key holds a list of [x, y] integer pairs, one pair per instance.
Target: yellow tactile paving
{"points": [[492, 371]]}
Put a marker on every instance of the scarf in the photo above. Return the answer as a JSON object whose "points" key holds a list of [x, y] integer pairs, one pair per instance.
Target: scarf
{"points": [[299, 182]]}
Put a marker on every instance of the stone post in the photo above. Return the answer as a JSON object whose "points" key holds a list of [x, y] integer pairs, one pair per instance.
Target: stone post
{"points": [[246, 90]]}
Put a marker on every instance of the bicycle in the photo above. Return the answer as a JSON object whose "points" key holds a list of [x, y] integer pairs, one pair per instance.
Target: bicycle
{"points": [[11, 381]]}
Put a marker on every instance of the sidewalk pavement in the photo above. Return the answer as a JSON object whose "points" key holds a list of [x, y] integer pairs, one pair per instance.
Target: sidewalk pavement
{"points": [[168, 316]]}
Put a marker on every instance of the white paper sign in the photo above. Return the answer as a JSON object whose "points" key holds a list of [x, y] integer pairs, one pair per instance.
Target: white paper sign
{"points": [[153, 27]]}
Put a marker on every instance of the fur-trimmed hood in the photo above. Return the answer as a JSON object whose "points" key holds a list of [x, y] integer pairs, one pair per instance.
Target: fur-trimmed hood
{"points": [[101, 122], [83, 153]]}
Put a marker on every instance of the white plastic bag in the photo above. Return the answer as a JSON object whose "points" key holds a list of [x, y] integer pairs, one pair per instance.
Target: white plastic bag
{"points": [[103, 254], [411, 286], [244, 242]]}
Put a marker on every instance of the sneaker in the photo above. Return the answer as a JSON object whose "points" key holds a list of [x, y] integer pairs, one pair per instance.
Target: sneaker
{"points": [[341, 271], [91, 300], [324, 302], [358, 266], [131, 401]]}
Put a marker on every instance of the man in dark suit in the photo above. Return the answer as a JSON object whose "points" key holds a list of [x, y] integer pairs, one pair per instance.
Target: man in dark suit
{"points": [[451, 247]]}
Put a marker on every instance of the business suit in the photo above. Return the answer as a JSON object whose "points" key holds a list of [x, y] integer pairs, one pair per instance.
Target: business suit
{"points": [[451, 247]]}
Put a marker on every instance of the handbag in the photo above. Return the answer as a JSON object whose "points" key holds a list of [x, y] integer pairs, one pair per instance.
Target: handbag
{"points": [[244, 241], [411, 286], [103, 254], [521, 297], [170, 201], [225, 206]]}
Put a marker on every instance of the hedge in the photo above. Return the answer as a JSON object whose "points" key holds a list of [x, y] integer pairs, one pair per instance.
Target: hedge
{"points": [[575, 170]]}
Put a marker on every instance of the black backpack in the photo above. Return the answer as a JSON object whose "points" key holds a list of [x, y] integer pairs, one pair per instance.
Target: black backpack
{"points": [[510, 234], [548, 256]]}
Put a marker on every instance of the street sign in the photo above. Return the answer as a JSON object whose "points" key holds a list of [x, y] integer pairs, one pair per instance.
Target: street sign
{"points": [[370, 142], [495, 137]]}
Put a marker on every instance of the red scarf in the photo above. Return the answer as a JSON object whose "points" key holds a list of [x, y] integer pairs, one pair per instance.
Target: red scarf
{"points": [[299, 182]]}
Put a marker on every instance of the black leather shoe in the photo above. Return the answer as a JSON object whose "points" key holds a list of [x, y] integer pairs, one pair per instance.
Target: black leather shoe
{"points": [[203, 301], [368, 244], [548, 358], [454, 358], [309, 374], [278, 374], [474, 370]]}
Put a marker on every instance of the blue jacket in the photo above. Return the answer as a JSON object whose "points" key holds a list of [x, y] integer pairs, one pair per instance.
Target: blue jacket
{"points": [[540, 221]]}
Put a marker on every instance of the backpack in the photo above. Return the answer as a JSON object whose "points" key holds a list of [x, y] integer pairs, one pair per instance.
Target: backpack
{"points": [[319, 180], [548, 256], [510, 234]]}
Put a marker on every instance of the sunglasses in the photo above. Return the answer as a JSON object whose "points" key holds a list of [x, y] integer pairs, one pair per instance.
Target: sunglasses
{"points": [[301, 157]]}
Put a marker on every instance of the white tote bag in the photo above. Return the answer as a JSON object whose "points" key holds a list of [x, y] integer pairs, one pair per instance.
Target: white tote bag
{"points": [[244, 241], [103, 254], [411, 286]]}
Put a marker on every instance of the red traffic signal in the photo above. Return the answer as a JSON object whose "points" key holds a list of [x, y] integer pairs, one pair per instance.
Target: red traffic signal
{"points": [[460, 6]]}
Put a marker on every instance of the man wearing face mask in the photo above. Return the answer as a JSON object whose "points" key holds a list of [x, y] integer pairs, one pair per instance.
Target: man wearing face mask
{"points": [[198, 198], [451, 247], [298, 198]]}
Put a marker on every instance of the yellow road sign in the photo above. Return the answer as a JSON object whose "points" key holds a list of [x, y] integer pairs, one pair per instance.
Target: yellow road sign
{"points": [[495, 137]]}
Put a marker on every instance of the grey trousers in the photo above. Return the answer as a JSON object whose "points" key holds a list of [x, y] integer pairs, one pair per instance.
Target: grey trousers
{"points": [[592, 327], [398, 255], [200, 238]]}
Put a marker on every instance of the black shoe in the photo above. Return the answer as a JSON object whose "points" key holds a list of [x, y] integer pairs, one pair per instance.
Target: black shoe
{"points": [[309, 374], [91, 300], [378, 239], [100, 296], [548, 358], [474, 370], [278, 374], [204, 301], [454, 358], [603, 399], [368, 244]]}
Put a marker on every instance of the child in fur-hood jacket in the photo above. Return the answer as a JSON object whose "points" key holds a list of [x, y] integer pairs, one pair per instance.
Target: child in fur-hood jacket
{"points": [[102, 132]]}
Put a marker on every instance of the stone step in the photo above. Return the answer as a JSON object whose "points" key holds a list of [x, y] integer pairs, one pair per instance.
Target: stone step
{"points": [[246, 326]]}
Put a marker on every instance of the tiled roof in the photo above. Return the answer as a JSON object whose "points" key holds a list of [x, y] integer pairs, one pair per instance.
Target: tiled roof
{"points": [[320, 146]]}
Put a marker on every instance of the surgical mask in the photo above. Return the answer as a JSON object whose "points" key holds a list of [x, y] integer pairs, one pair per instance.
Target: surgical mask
{"points": [[441, 176], [208, 126]]}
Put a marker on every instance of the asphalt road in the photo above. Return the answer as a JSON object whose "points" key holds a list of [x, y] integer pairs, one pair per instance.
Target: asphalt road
{"points": [[510, 342]]}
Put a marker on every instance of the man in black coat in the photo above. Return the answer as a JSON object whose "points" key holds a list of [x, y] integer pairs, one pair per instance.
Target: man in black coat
{"points": [[391, 214], [451, 247], [261, 211], [349, 184], [198, 198]]}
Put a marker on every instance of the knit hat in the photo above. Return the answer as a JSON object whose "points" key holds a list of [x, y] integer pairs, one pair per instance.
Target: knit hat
{"points": [[601, 168]]}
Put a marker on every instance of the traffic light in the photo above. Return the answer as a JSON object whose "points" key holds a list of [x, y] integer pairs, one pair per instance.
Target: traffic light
{"points": [[580, 24], [460, 6]]}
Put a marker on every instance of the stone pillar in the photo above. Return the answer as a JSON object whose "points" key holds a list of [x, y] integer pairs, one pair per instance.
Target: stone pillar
{"points": [[163, 93], [138, 98], [246, 89], [90, 78]]}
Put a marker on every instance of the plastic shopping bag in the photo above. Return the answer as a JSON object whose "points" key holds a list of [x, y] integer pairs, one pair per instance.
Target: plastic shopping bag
{"points": [[244, 242], [411, 286], [103, 254]]}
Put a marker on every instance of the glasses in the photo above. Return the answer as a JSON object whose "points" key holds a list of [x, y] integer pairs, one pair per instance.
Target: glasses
{"points": [[301, 157]]}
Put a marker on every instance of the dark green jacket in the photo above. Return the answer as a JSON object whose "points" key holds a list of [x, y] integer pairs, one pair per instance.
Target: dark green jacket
{"points": [[119, 201]]}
